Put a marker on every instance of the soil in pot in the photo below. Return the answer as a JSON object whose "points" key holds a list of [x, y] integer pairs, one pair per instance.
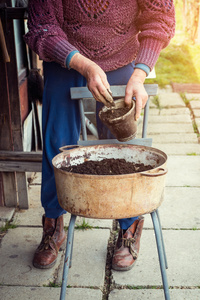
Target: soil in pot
{"points": [[107, 167], [114, 113]]}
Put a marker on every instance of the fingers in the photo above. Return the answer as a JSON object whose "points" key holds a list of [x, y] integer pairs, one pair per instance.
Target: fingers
{"points": [[100, 91], [136, 89], [103, 97], [138, 107]]}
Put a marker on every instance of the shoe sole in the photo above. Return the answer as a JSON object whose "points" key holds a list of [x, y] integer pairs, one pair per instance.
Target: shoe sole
{"points": [[117, 268], [45, 267]]}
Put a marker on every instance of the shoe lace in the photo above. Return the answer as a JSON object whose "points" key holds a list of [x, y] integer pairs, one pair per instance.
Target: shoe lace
{"points": [[129, 243], [48, 243]]}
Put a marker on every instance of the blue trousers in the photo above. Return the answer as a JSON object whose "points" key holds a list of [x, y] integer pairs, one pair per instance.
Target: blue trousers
{"points": [[61, 125]]}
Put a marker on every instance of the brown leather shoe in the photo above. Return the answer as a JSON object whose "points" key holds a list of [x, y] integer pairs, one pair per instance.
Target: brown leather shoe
{"points": [[127, 247], [52, 239]]}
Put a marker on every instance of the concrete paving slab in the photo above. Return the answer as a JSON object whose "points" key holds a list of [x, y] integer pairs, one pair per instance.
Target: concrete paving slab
{"points": [[178, 149], [16, 254], [37, 178], [192, 96], [169, 128], [97, 223], [47, 293], [33, 215], [34, 194], [33, 218], [183, 171], [170, 119], [179, 210], [170, 100], [169, 138], [153, 294], [198, 125], [2, 223], [182, 249], [6, 213], [89, 258], [196, 113], [170, 111], [195, 104], [166, 89]]}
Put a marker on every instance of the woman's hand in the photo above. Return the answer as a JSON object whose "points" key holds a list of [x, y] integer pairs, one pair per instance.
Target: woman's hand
{"points": [[95, 76], [135, 88]]}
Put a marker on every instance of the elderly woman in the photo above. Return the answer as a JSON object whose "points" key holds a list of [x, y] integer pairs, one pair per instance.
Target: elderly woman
{"points": [[97, 43]]}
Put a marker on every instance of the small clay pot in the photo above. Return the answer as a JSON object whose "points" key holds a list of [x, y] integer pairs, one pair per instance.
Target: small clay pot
{"points": [[124, 127]]}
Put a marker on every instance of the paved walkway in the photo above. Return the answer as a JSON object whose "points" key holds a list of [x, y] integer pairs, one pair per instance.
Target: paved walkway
{"points": [[171, 125]]}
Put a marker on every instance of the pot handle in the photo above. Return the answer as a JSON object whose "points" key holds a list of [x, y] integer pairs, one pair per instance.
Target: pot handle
{"points": [[160, 172], [68, 147]]}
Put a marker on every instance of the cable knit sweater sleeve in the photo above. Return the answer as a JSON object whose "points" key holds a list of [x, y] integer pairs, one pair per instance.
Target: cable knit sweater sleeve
{"points": [[156, 25], [45, 35]]}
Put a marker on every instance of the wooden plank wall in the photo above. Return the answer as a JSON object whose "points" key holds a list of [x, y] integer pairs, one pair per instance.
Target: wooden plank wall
{"points": [[11, 132]]}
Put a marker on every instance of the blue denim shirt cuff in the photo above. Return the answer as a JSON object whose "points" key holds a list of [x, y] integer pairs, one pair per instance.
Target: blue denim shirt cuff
{"points": [[69, 57], [143, 67]]}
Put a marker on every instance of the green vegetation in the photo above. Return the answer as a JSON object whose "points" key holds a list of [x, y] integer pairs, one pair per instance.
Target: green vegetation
{"points": [[184, 98], [156, 101], [178, 63], [7, 226], [52, 284], [140, 287], [84, 225], [192, 154]]}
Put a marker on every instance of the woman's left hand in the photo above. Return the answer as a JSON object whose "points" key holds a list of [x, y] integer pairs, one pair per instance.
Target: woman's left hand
{"points": [[135, 88]]}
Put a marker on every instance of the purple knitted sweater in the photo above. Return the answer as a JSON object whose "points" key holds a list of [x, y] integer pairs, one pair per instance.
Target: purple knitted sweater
{"points": [[112, 33]]}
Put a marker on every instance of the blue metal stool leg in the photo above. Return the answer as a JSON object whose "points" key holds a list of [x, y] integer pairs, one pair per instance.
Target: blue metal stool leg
{"points": [[68, 253], [160, 249], [163, 244], [70, 263]]}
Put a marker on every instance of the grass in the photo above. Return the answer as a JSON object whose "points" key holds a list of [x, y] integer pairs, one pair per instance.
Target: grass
{"points": [[177, 63], [192, 154], [184, 98], [52, 284], [7, 226], [156, 101], [85, 225]]}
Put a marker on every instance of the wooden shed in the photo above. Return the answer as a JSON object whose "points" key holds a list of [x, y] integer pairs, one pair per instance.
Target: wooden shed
{"points": [[20, 117]]}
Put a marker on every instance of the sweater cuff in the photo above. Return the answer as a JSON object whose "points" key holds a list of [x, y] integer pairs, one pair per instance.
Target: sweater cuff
{"points": [[149, 52], [143, 67], [57, 49], [69, 57]]}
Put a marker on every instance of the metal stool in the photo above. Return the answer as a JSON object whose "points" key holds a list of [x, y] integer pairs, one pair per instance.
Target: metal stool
{"points": [[117, 91]]}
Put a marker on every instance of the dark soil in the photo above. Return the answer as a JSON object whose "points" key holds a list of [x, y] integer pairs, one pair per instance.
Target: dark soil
{"points": [[115, 113], [107, 167]]}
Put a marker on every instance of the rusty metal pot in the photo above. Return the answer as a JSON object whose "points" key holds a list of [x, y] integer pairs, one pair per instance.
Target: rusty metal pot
{"points": [[111, 196]]}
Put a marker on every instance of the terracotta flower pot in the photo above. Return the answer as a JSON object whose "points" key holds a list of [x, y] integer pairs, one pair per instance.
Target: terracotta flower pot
{"points": [[123, 127]]}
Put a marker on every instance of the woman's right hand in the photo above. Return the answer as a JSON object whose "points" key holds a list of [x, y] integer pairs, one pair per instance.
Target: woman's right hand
{"points": [[96, 78]]}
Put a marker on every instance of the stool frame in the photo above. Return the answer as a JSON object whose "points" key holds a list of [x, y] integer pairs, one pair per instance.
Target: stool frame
{"points": [[117, 91]]}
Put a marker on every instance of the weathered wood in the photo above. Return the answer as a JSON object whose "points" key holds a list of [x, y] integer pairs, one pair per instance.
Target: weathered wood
{"points": [[10, 189], [14, 12], [21, 156], [23, 203], [1, 191], [117, 91], [3, 49], [16, 166], [16, 125]]}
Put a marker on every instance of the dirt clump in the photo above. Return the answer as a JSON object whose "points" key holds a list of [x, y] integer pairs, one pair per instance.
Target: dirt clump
{"points": [[114, 113], [107, 167]]}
